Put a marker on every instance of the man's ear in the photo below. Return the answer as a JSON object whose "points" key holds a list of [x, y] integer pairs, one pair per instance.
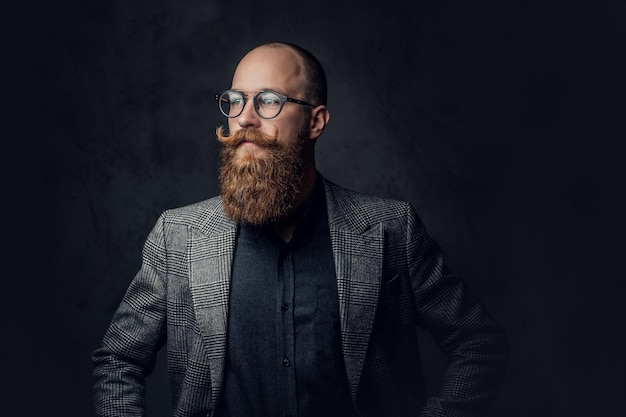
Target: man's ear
{"points": [[319, 119]]}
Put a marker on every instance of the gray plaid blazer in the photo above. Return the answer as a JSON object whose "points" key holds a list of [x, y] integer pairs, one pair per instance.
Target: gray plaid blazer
{"points": [[391, 278]]}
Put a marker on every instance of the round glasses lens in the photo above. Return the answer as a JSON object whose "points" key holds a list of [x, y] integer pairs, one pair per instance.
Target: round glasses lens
{"points": [[231, 103], [268, 104]]}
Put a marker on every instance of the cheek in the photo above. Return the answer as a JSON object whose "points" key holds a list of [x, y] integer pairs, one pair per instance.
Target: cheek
{"points": [[293, 128], [286, 134]]}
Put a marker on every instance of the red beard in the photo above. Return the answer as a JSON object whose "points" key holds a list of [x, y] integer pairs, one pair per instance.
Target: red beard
{"points": [[260, 187]]}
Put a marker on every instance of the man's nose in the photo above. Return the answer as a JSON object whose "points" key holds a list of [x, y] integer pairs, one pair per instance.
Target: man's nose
{"points": [[249, 117]]}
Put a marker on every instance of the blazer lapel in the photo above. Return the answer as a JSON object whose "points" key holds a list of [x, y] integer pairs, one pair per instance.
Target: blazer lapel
{"points": [[358, 253], [210, 260]]}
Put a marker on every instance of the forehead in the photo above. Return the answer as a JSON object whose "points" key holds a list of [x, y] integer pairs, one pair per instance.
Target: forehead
{"points": [[276, 68]]}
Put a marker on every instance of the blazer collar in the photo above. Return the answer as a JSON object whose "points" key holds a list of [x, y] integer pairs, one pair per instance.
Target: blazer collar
{"points": [[210, 249]]}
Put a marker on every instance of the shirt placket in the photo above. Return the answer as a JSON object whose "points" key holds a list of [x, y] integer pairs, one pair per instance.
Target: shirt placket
{"points": [[286, 333]]}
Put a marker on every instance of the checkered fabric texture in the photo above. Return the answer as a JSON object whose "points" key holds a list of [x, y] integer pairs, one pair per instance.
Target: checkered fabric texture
{"points": [[391, 278]]}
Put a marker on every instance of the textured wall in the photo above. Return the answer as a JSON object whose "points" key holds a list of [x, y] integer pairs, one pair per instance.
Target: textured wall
{"points": [[502, 124]]}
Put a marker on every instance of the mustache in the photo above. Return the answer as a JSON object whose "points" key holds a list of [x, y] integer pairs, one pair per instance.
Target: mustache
{"points": [[246, 135]]}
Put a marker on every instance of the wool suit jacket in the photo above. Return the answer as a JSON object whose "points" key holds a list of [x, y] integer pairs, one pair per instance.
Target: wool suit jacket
{"points": [[390, 277]]}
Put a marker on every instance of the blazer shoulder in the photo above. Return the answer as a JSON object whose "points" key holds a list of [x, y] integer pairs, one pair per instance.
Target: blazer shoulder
{"points": [[207, 216], [354, 209]]}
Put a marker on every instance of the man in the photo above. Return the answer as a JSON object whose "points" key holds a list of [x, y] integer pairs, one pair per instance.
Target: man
{"points": [[289, 295]]}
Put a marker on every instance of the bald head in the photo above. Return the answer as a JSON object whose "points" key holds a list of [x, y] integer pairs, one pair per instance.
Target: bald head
{"points": [[299, 67]]}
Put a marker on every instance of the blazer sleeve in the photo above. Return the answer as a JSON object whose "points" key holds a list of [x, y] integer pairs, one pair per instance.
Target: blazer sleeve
{"points": [[475, 345], [136, 333]]}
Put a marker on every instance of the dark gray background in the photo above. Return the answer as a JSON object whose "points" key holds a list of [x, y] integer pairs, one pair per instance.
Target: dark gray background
{"points": [[502, 122]]}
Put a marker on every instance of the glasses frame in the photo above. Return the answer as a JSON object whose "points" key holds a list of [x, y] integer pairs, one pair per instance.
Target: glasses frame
{"points": [[283, 99]]}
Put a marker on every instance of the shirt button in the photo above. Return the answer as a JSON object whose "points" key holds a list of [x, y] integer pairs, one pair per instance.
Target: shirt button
{"points": [[284, 307], [286, 362]]}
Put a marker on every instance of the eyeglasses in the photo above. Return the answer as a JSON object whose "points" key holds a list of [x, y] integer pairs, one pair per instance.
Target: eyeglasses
{"points": [[267, 103]]}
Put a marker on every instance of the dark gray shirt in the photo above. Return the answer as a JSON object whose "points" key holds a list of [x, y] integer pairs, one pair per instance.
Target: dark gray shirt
{"points": [[284, 354]]}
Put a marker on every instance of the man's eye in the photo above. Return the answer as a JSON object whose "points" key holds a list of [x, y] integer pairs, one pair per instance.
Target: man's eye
{"points": [[270, 100]]}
